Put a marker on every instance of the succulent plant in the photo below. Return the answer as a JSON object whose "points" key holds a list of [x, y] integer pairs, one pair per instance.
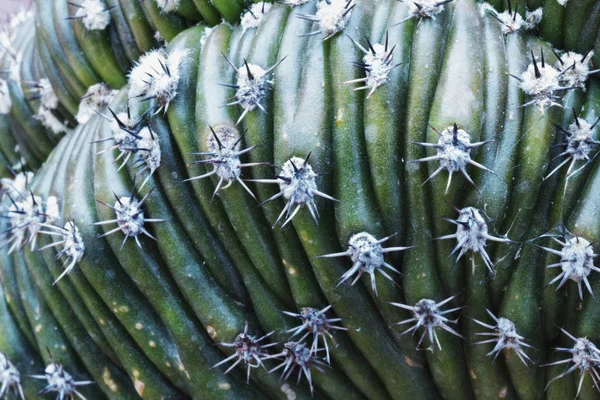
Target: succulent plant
{"points": [[329, 199]]}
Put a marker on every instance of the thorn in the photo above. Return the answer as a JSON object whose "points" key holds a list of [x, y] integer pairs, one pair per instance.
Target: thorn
{"points": [[543, 62], [216, 138], [538, 75], [557, 56], [248, 69]]}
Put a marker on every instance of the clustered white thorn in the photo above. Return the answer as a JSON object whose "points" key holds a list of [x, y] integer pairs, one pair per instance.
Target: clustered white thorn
{"points": [[367, 255], [26, 214], [377, 64], [248, 350], [428, 315], [47, 96], [156, 77], [254, 15], [72, 245], [580, 143], [575, 68], [251, 86], [298, 186], [512, 21], [125, 137], [576, 262], [453, 151], [94, 14], [315, 323], [5, 100], [61, 382], [9, 379], [297, 355], [541, 82], [224, 151], [332, 17], [424, 9], [504, 334], [130, 218], [472, 235], [48, 101], [585, 356], [168, 5], [96, 97], [17, 185], [148, 148]]}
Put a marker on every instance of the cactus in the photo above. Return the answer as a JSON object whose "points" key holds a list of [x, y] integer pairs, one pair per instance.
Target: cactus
{"points": [[329, 199]]}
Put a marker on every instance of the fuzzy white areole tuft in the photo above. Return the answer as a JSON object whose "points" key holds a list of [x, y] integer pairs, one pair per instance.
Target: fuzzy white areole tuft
{"points": [[251, 86], [254, 15], [47, 96], [423, 9], [94, 15], [10, 378], [533, 18], [579, 143], [156, 76], [562, 2], [580, 139], [27, 214], [428, 315], [60, 381], [129, 217], [124, 135], [576, 262], [504, 334], [72, 245], [96, 97], [297, 356], [472, 235], [332, 17], [5, 100], [541, 82], [168, 5], [148, 147], [453, 152], [575, 69], [249, 350], [510, 23], [17, 185], [367, 255], [316, 323], [224, 151], [49, 120], [585, 356], [298, 186], [377, 65]]}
